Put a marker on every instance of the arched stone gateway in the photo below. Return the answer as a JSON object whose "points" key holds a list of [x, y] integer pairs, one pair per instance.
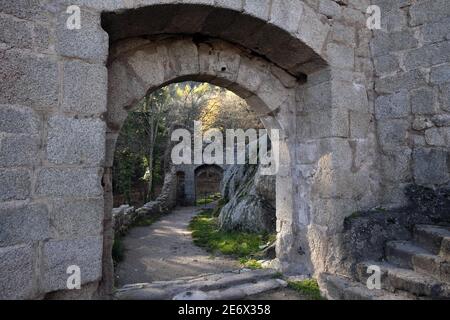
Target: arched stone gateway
{"points": [[351, 138], [297, 80]]}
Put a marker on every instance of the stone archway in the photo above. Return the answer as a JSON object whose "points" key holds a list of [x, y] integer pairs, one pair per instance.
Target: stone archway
{"points": [[150, 64], [290, 62], [207, 180], [298, 80]]}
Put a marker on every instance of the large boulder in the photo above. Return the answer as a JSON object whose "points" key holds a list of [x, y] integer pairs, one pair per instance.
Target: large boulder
{"points": [[251, 200]]}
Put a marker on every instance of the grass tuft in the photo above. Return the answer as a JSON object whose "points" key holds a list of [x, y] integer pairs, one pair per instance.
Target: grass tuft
{"points": [[308, 288], [206, 234], [252, 264]]}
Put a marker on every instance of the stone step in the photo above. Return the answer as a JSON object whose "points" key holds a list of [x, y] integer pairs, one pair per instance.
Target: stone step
{"points": [[395, 279], [407, 254], [337, 287], [238, 292], [167, 290], [434, 238]]}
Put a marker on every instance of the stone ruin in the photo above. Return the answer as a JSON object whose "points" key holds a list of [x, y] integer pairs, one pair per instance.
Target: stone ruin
{"points": [[363, 113]]}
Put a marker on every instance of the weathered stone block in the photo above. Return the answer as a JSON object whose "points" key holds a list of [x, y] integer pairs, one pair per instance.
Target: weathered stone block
{"points": [[394, 20], [344, 34], [438, 137], [421, 123], [444, 97], [359, 124], [231, 4], [26, 9], [441, 120], [43, 37], [14, 184], [58, 255], [341, 56], [427, 56], [423, 101], [393, 133], [307, 153], [23, 223], [16, 33], [385, 43], [331, 123], [180, 57], [311, 29], [386, 64], [430, 166], [435, 32], [317, 97], [89, 43], [403, 81], [355, 17], [286, 14], [85, 87], [440, 74], [83, 182], [121, 94], [330, 9], [392, 106], [428, 11], [148, 65], [17, 272], [73, 219], [19, 151], [396, 165], [349, 95], [76, 141], [18, 120], [28, 80], [259, 9]]}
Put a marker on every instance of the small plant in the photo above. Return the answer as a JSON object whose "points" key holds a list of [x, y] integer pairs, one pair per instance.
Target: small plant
{"points": [[308, 288], [250, 264]]}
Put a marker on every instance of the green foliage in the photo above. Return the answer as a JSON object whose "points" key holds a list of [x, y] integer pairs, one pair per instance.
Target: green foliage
{"points": [[252, 264], [209, 199], [206, 234], [308, 288]]}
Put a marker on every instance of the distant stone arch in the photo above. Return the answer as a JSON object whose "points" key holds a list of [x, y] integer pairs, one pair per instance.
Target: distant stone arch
{"points": [[207, 180]]}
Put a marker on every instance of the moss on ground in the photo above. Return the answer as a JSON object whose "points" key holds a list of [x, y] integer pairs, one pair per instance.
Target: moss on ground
{"points": [[206, 234], [309, 288]]}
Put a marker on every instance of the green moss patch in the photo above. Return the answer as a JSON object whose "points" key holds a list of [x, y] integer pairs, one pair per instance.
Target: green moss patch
{"points": [[206, 234], [308, 288]]}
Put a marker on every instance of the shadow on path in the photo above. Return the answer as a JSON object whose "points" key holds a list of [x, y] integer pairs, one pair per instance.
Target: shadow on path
{"points": [[165, 251]]}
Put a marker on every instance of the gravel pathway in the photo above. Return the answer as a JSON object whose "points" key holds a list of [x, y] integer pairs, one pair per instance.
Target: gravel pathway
{"points": [[165, 251]]}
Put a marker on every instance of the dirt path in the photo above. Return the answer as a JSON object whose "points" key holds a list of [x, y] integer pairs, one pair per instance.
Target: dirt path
{"points": [[165, 251]]}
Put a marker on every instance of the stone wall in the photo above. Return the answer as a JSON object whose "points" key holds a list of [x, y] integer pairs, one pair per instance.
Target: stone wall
{"points": [[52, 149], [361, 115], [412, 95], [125, 216]]}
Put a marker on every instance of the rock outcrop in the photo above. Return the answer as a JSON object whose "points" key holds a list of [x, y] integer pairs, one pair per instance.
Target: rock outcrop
{"points": [[250, 200]]}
